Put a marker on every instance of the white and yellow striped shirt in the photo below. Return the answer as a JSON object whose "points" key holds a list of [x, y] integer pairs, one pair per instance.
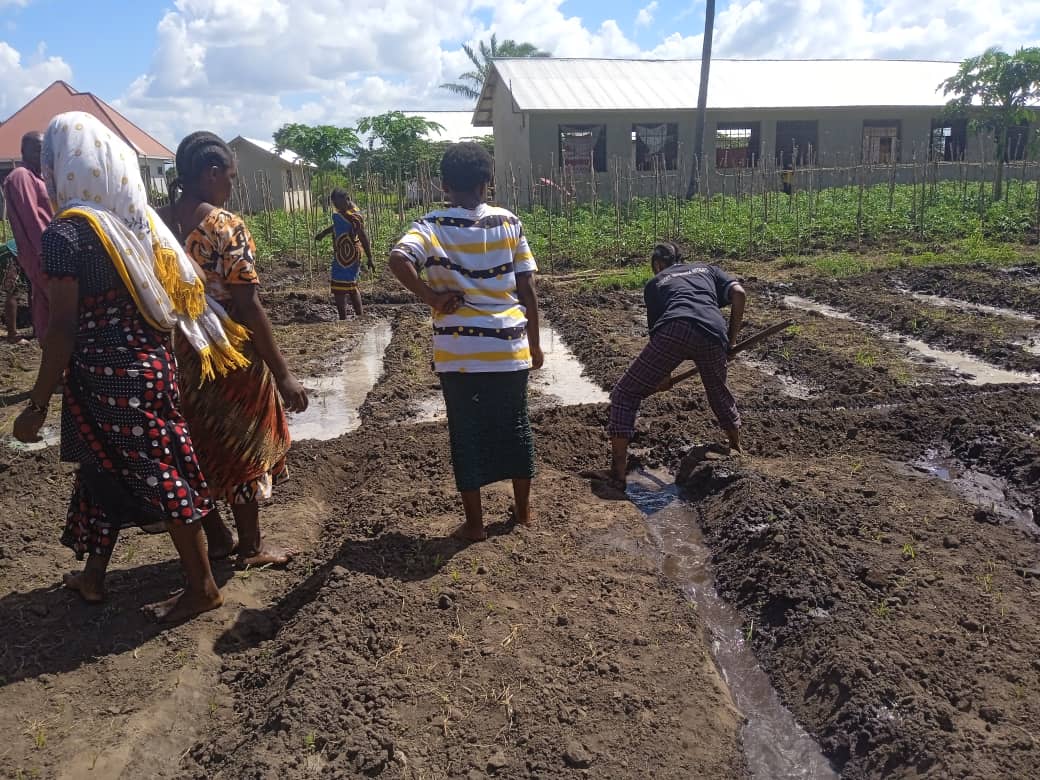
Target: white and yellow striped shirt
{"points": [[478, 253]]}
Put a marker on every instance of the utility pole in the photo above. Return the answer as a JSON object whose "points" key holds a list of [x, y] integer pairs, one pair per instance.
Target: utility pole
{"points": [[702, 98]]}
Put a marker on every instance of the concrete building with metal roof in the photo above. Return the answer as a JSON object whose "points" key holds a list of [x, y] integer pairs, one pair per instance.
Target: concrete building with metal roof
{"points": [[268, 178], [580, 119]]}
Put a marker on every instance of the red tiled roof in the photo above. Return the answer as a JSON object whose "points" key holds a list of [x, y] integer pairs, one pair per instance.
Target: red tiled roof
{"points": [[58, 98]]}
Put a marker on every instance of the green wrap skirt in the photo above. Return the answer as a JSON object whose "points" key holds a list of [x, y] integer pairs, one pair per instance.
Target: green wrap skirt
{"points": [[490, 431]]}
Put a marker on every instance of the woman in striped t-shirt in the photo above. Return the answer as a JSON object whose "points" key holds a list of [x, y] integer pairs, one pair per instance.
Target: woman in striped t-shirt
{"points": [[480, 285]]}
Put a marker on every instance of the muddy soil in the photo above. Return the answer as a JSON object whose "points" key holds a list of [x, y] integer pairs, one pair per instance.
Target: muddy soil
{"points": [[982, 286], [538, 653], [894, 611], [825, 529], [992, 337]]}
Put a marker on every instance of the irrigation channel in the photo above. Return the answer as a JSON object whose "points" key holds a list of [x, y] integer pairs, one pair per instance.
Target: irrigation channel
{"points": [[970, 369], [774, 744]]}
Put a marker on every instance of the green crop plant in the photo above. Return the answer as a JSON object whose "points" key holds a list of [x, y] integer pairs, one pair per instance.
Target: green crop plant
{"points": [[866, 359], [909, 553], [607, 235]]}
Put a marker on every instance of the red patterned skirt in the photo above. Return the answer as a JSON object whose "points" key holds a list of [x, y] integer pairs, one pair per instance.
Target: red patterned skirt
{"points": [[122, 424]]}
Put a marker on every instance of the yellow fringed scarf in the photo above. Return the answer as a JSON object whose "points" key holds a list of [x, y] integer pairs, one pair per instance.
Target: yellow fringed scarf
{"points": [[90, 173]]}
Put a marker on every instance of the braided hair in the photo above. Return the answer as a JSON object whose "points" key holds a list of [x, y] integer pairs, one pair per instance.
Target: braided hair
{"points": [[198, 152], [667, 253]]}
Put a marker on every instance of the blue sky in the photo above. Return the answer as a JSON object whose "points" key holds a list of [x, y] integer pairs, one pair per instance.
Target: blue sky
{"points": [[248, 66]]}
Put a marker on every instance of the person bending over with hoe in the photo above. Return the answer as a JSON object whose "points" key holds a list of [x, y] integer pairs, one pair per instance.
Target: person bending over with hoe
{"points": [[480, 285], [684, 304], [350, 240]]}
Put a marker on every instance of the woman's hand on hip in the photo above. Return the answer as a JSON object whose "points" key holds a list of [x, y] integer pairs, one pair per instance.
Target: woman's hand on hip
{"points": [[446, 302], [537, 358], [293, 393]]}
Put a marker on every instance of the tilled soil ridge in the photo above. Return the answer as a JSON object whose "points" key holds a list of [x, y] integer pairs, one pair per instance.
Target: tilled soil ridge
{"points": [[544, 652]]}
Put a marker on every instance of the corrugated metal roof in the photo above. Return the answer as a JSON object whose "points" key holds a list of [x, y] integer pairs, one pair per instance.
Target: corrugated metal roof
{"points": [[58, 98], [266, 146], [551, 84]]}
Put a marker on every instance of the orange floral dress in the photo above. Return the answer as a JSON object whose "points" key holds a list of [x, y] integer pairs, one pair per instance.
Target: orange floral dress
{"points": [[237, 422]]}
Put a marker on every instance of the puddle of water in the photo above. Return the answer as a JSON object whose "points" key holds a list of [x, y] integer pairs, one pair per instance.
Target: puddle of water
{"points": [[978, 488], [559, 382], [789, 386], [335, 400], [561, 377], [774, 744], [956, 303], [971, 369], [49, 437]]}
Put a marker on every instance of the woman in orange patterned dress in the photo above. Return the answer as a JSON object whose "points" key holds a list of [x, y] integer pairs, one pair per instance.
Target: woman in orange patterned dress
{"points": [[238, 422]]}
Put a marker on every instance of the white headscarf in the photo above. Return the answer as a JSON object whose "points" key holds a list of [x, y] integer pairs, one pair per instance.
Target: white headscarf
{"points": [[92, 173]]}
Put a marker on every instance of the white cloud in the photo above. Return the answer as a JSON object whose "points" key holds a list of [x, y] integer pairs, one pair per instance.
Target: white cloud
{"points": [[248, 68], [890, 29], [21, 81], [645, 17]]}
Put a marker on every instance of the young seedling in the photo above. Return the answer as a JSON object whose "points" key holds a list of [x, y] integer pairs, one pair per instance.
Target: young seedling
{"points": [[309, 742], [986, 581], [882, 610], [866, 359], [36, 730], [909, 553]]}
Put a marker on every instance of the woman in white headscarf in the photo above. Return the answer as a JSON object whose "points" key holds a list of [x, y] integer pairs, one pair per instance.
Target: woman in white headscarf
{"points": [[120, 285]]}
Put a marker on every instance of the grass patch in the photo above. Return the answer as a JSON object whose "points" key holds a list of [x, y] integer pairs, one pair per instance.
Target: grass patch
{"points": [[628, 279]]}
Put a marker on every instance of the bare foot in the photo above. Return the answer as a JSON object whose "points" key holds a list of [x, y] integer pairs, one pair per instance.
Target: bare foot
{"points": [[469, 533], [607, 476], [89, 589], [183, 606], [267, 555], [527, 519], [219, 549]]}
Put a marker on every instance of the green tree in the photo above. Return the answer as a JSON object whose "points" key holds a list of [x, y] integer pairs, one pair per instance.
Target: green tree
{"points": [[395, 141], [322, 145], [995, 90], [471, 82]]}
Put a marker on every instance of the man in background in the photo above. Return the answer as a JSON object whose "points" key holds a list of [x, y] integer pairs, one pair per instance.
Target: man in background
{"points": [[29, 212]]}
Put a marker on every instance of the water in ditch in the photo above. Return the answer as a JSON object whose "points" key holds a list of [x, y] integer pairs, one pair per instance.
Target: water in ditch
{"points": [[956, 303], [335, 400], [978, 488], [775, 746], [973, 370], [559, 382]]}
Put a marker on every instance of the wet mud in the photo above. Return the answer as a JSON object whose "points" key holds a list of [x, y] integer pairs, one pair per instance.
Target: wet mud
{"points": [[858, 593]]}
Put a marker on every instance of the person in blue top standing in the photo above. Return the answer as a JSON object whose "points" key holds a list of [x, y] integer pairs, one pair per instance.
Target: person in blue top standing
{"points": [[350, 241]]}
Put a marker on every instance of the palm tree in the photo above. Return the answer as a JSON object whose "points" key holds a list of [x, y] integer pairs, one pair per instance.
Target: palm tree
{"points": [[471, 82]]}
